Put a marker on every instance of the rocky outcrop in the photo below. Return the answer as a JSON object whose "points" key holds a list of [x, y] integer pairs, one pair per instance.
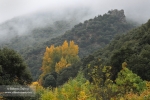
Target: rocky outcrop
{"points": [[118, 13]]}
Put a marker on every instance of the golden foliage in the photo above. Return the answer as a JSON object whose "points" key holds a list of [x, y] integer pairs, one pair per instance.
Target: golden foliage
{"points": [[57, 58], [37, 86], [61, 64], [124, 65]]}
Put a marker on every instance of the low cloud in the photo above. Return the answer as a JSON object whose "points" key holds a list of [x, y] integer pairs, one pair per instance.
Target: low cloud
{"points": [[134, 9]]}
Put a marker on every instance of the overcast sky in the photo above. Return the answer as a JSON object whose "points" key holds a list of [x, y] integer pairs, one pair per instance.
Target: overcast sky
{"points": [[136, 9]]}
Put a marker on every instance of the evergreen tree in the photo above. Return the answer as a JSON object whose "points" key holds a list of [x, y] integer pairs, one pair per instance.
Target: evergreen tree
{"points": [[12, 68]]}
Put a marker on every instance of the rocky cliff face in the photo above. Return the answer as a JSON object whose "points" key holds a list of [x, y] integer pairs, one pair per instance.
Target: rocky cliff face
{"points": [[118, 13]]}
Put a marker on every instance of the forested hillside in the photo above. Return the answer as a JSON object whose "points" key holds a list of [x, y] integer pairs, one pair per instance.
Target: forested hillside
{"points": [[95, 33], [133, 48], [90, 35]]}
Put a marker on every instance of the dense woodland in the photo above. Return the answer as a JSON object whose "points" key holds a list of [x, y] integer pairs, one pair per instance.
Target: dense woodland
{"points": [[105, 58]]}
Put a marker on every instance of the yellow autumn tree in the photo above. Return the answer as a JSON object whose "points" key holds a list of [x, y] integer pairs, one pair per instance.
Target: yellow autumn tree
{"points": [[57, 58], [61, 64], [73, 48], [64, 48]]}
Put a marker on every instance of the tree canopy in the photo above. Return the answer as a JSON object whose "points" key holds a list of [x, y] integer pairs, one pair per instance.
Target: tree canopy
{"points": [[12, 68]]}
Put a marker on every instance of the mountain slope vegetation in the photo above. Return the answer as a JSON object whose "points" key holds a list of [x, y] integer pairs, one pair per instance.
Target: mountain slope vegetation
{"points": [[90, 35], [132, 48]]}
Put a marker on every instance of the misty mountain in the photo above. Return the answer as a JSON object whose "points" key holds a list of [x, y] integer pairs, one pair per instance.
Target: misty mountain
{"points": [[38, 35], [26, 28], [95, 33], [91, 35]]}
